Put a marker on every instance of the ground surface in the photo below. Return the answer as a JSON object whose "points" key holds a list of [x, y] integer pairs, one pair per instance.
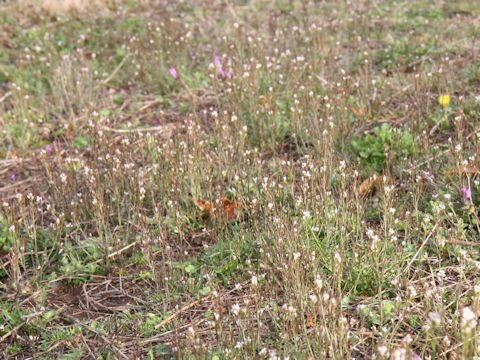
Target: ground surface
{"points": [[240, 179]]}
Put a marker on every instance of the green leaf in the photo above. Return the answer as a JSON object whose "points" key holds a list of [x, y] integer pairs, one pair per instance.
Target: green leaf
{"points": [[387, 308], [205, 291], [80, 142], [190, 269]]}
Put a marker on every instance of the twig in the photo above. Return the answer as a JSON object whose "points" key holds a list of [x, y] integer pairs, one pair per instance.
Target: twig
{"points": [[192, 304], [183, 309], [27, 318], [442, 355], [434, 128], [115, 71], [421, 246], [7, 162], [165, 128], [14, 185], [118, 252], [14, 330], [148, 105], [432, 158], [164, 334], [102, 336], [5, 97], [462, 243]]}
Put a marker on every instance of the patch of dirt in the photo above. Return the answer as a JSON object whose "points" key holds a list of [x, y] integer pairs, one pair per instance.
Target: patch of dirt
{"points": [[18, 176], [96, 299]]}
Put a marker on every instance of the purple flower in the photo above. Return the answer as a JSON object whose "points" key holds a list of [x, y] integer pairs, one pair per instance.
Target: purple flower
{"points": [[216, 60], [13, 177], [48, 149], [467, 193], [222, 74], [173, 72], [416, 357]]}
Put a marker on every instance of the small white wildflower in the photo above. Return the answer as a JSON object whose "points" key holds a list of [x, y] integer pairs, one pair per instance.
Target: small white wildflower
{"points": [[382, 350], [468, 320], [399, 354], [446, 340], [408, 339], [435, 318], [412, 292], [236, 309]]}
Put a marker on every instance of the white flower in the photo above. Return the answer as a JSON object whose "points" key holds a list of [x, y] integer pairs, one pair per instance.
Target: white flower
{"points": [[399, 354], [468, 320], [382, 350], [435, 318], [306, 215], [236, 309]]}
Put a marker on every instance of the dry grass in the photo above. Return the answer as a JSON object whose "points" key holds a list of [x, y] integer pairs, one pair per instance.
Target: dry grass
{"points": [[260, 180], [62, 7]]}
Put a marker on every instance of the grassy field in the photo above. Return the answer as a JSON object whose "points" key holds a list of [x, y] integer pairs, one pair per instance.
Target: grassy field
{"points": [[233, 179]]}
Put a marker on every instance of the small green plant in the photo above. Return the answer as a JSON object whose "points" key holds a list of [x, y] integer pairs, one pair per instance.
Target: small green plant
{"points": [[149, 323], [5, 239], [373, 150], [77, 265]]}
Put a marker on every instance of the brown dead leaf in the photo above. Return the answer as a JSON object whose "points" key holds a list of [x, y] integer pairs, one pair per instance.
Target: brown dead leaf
{"points": [[469, 169], [204, 206], [411, 68], [309, 321], [369, 184], [228, 208], [263, 100], [358, 112]]}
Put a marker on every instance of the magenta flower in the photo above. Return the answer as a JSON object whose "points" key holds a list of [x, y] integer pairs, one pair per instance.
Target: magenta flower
{"points": [[216, 60], [416, 357], [173, 72], [467, 193], [222, 74], [48, 149]]}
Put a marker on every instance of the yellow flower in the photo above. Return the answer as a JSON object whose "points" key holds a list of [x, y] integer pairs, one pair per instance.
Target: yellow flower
{"points": [[444, 101]]}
